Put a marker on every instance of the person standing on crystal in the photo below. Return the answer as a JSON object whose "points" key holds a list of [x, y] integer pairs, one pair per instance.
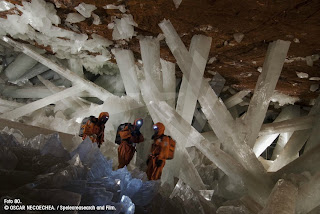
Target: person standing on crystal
{"points": [[94, 128], [130, 135], [162, 149]]}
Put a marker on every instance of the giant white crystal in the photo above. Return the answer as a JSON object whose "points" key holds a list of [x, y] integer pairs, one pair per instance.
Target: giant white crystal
{"points": [[24, 92], [212, 138], [265, 86], [266, 163], [289, 125], [112, 83], [293, 146], [236, 99], [217, 83], [309, 195], [282, 141], [314, 139], [71, 102], [282, 198], [264, 141], [184, 60], [309, 161], [19, 66], [28, 108], [36, 70], [91, 87], [187, 98], [295, 143], [217, 114], [169, 82], [125, 61], [199, 120], [150, 54]]}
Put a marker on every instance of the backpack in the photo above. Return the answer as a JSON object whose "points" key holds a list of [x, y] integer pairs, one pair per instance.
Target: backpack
{"points": [[120, 127], [167, 150], [84, 123], [171, 149]]}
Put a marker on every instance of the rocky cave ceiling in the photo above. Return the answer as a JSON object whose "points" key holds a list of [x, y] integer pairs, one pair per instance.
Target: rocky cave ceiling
{"points": [[261, 21]]}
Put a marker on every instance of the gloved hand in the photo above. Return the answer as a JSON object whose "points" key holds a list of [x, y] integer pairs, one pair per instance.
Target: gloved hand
{"points": [[158, 163], [135, 133], [154, 135]]}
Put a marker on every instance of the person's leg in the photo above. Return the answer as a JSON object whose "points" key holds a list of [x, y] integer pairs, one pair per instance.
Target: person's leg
{"points": [[120, 156], [129, 154], [158, 171], [151, 168], [125, 154]]}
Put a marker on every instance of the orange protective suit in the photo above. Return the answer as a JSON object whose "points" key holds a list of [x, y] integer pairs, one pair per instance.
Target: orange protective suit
{"points": [[129, 137], [158, 156], [95, 129]]}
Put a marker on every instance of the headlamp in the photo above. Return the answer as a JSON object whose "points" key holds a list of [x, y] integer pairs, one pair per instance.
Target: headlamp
{"points": [[155, 127], [105, 119]]}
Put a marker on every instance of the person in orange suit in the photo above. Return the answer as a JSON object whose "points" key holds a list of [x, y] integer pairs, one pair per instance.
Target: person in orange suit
{"points": [[130, 135], [94, 128], [160, 152]]}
